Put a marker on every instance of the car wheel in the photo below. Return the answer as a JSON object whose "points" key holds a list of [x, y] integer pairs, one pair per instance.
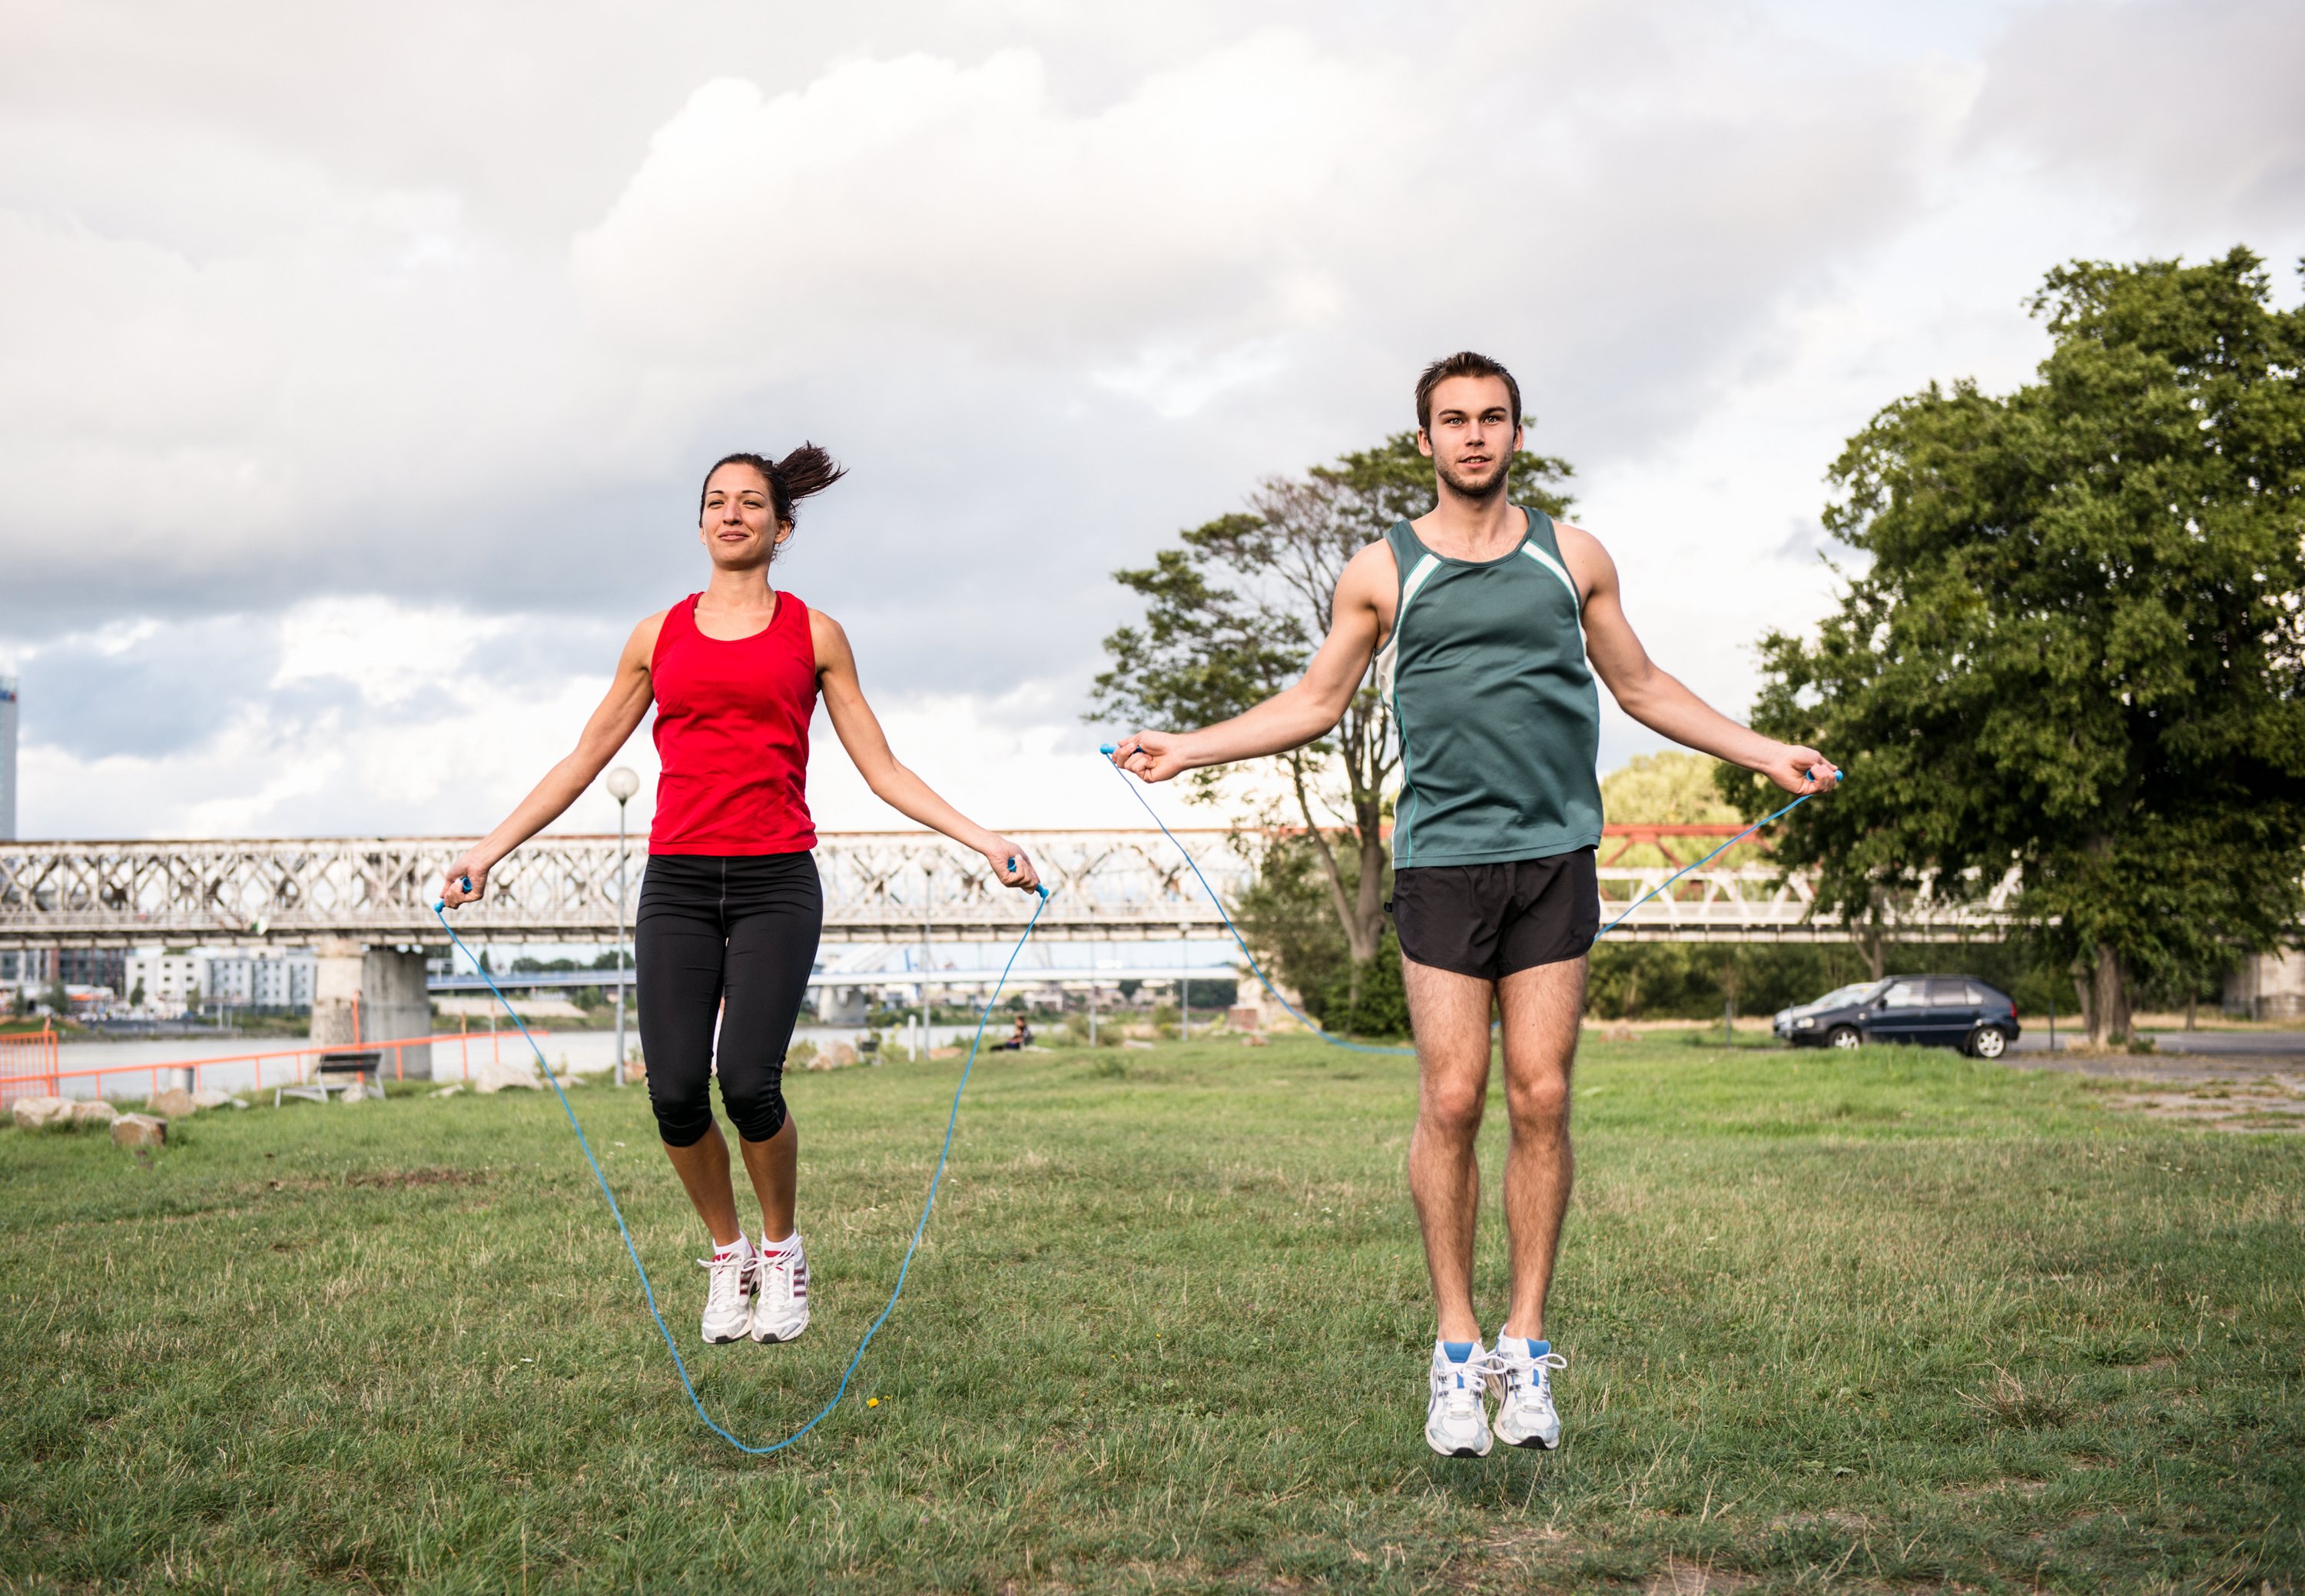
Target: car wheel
{"points": [[1989, 1042], [1845, 1036]]}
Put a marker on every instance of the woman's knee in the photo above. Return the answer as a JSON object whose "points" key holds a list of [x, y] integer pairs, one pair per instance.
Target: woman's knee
{"points": [[756, 1108], [682, 1117]]}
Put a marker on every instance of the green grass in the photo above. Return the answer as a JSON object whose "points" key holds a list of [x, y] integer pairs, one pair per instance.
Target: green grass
{"points": [[1880, 1321]]}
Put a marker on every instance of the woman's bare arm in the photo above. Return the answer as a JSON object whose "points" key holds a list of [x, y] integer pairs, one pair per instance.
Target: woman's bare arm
{"points": [[621, 708], [892, 783]]}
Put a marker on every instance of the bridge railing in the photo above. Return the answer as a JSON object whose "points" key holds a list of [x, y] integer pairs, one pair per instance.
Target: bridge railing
{"points": [[878, 886]]}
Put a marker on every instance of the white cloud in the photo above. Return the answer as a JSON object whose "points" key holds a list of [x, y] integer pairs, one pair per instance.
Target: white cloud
{"points": [[351, 418]]}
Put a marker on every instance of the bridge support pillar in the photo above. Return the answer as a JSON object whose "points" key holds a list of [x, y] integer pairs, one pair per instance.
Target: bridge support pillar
{"points": [[2269, 986], [840, 1006], [369, 994]]}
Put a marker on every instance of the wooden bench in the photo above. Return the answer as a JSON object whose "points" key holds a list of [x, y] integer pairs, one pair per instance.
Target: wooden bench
{"points": [[337, 1072]]}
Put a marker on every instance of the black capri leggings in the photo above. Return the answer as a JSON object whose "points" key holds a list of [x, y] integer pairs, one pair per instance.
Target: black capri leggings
{"points": [[743, 930]]}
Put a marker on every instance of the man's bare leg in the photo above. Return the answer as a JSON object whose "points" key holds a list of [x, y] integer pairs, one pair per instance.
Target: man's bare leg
{"points": [[1542, 1010], [1451, 1015]]}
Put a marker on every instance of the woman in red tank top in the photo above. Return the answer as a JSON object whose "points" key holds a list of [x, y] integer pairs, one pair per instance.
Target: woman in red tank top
{"points": [[731, 906]]}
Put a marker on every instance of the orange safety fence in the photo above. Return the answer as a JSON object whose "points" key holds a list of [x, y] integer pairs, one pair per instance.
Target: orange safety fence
{"points": [[32, 1072], [27, 1065]]}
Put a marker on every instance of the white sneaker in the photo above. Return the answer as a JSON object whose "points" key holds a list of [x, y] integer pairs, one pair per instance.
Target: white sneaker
{"points": [[1456, 1419], [1521, 1373], [782, 1312], [729, 1294]]}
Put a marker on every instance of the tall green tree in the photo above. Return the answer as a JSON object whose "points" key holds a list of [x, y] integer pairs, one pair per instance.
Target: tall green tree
{"points": [[2078, 649], [1233, 615]]}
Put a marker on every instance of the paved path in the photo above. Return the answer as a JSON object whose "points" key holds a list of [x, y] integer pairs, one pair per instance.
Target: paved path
{"points": [[2177, 1055]]}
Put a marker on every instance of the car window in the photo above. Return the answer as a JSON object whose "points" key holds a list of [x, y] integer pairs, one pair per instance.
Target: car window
{"points": [[1954, 993], [1905, 994], [1981, 996]]}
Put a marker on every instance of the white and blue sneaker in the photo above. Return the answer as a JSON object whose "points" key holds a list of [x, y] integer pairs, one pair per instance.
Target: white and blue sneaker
{"points": [[1520, 1374], [1456, 1419]]}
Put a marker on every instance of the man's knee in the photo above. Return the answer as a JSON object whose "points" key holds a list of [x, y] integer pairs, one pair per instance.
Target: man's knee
{"points": [[1540, 1103], [1452, 1109]]}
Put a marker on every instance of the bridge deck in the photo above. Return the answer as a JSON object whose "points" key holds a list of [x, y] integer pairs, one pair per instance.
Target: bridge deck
{"points": [[879, 887]]}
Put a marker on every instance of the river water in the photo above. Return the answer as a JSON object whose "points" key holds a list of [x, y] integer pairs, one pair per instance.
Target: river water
{"points": [[129, 1074]]}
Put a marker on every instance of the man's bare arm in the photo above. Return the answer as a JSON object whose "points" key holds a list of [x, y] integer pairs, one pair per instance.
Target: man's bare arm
{"points": [[1299, 713], [1659, 700]]}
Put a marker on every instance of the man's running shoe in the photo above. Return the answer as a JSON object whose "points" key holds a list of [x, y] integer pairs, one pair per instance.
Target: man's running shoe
{"points": [[782, 1311], [1521, 1373], [729, 1294], [1456, 1419]]}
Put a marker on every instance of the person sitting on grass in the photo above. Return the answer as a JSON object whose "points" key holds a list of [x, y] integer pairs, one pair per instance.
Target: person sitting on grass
{"points": [[1018, 1039]]}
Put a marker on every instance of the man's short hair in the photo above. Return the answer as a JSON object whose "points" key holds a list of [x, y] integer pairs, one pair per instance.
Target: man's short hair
{"points": [[1463, 364]]}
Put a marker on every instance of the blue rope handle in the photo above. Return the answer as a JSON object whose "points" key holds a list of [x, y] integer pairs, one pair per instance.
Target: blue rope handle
{"points": [[1108, 749], [440, 912]]}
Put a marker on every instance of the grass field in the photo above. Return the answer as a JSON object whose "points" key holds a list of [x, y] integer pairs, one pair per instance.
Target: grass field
{"points": [[1882, 1320]]}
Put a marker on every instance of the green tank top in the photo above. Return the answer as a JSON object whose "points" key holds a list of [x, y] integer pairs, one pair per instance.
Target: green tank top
{"points": [[1499, 721]]}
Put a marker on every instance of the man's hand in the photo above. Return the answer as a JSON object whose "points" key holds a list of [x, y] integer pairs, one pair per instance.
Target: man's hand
{"points": [[1799, 769], [1152, 756], [453, 892], [1012, 866]]}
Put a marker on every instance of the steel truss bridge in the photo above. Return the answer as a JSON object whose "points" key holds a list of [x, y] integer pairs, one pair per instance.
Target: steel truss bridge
{"points": [[879, 887]]}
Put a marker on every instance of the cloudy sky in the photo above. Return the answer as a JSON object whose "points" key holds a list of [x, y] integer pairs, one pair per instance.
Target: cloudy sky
{"points": [[358, 365]]}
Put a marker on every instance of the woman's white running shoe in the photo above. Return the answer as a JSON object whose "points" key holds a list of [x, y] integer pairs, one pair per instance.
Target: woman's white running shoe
{"points": [[1521, 1373], [727, 1295], [1456, 1419], [782, 1311]]}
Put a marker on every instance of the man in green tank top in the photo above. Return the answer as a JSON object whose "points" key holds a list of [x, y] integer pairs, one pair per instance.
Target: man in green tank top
{"points": [[1486, 623]]}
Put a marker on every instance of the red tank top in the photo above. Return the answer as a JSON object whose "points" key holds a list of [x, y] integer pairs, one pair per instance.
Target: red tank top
{"points": [[732, 735]]}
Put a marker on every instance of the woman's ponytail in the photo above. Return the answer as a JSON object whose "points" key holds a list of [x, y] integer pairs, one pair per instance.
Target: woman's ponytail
{"points": [[801, 474]]}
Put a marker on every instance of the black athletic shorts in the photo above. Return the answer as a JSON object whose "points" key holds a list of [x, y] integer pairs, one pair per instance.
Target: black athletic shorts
{"points": [[1491, 921]]}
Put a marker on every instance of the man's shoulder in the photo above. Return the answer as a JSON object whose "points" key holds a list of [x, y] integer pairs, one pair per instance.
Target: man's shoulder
{"points": [[1373, 569]]}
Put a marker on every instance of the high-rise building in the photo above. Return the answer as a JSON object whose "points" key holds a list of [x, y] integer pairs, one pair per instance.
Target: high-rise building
{"points": [[7, 759]]}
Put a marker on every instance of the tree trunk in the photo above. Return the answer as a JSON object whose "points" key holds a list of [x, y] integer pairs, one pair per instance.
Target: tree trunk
{"points": [[1875, 951], [2108, 999], [1368, 906]]}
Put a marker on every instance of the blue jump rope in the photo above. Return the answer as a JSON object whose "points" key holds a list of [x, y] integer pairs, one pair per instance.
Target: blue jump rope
{"points": [[440, 913], [1109, 749]]}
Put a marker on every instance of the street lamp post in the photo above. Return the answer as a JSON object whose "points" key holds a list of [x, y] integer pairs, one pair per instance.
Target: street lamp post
{"points": [[928, 880], [622, 784]]}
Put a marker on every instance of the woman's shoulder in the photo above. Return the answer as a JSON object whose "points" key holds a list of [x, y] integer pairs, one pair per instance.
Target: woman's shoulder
{"points": [[650, 633]]}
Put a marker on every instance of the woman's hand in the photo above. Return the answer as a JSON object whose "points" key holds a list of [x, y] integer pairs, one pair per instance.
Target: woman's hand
{"points": [[1012, 866], [467, 882]]}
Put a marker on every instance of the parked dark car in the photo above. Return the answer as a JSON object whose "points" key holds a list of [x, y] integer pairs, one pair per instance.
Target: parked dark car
{"points": [[1932, 1011]]}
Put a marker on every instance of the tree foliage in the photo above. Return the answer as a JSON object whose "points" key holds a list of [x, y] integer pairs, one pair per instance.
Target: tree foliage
{"points": [[1233, 615], [2076, 648]]}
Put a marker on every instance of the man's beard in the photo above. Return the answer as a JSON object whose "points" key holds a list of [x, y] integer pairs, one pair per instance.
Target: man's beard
{"points": [[1479, 493]]}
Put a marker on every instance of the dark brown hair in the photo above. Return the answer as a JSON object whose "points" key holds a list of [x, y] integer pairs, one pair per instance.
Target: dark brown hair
{"points": [[807, 470], [1463, 364]]}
